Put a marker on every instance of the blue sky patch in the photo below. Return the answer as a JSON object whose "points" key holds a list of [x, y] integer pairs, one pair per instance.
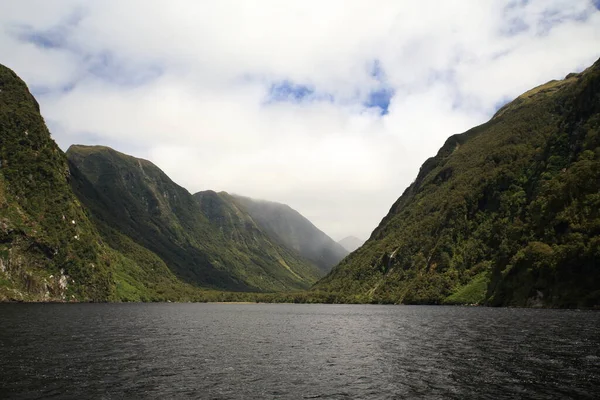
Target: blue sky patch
{"points": [[380, 98], [289, 91], [286, 90]]}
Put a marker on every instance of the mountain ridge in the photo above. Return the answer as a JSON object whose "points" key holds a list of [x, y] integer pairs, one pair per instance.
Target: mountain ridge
{"points": [[351, 243], [505, 214], [49, 250], [293, 230], [474, 225], [137, 199]]}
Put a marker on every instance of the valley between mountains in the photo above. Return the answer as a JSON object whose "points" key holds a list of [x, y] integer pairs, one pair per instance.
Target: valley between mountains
{"points": [[506, 214]]}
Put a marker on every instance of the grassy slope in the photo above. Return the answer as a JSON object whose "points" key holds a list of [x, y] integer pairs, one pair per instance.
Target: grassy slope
{"points": [[511, 206], [136, 199], [238, 228], [294, 231]]}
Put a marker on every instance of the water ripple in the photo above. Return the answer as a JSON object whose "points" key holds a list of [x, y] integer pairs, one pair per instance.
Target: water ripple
{"points": [[215, 351]]}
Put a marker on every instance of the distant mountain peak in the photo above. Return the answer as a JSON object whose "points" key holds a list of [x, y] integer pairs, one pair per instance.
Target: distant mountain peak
{"points": [[293, 230], [351, 243]]}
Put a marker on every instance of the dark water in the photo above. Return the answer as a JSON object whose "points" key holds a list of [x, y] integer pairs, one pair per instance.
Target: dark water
{"points": [[296, 351]]}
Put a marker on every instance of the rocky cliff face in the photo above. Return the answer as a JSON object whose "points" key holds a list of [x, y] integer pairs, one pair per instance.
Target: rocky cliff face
{"points": [[506, 213]]}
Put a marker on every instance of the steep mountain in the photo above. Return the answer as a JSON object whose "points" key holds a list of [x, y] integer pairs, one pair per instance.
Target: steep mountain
{"points": [[49, 250], [133, 199], [238, 227], [294, 231], [351, 243], [507, 213]]}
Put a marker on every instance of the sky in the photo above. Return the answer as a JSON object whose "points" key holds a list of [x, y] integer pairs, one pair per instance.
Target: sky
{"points": [[329, 106]]}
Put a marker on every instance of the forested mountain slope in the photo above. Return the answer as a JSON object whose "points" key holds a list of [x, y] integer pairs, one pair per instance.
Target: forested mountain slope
{"points": [[49, 250], [133, 198], [236, 225], [507, 213], [294, 231]]}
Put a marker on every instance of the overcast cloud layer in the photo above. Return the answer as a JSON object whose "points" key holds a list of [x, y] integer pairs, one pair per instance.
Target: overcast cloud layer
{"points": [[328, 106]]}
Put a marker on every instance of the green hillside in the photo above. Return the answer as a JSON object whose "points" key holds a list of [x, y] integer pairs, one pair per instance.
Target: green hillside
{"points": [[288, 227], [507, 213], [99, 225], [49, 250], [237, 227], [132, 198]]}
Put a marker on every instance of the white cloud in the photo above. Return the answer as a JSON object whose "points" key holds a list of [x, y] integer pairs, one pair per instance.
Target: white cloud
{"points": [[185, 85]]}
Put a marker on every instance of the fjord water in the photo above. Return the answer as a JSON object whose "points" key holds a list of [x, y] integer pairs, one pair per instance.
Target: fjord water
{"points": [[263, 351]]}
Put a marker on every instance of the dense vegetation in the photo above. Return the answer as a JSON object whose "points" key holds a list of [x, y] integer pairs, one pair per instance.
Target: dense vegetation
{"points": [[48, 247], [294, 231], [507, 213], [137, 237], [205, 241], [237, 226]]}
